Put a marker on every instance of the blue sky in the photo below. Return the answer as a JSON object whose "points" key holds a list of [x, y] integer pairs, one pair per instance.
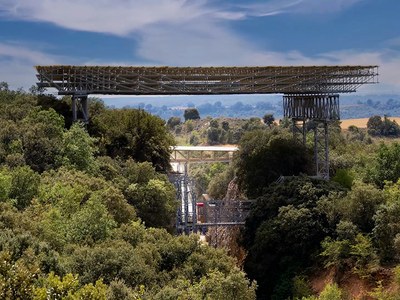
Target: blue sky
{"points": [[200, 33]]}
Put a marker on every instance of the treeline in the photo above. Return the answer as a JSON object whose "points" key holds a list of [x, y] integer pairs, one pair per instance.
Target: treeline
{"points": [[390, 104], [215, 109], [351, 108], [87, 213], [195, 130], [383, 127]]}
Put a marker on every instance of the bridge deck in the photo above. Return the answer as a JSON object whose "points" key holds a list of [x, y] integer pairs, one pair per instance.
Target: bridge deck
{"points": [[134, 80], [187, 154]]}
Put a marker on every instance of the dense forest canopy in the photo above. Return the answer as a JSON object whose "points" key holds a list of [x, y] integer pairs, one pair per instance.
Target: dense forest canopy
{"points": [[87, 211], [90, 216]]}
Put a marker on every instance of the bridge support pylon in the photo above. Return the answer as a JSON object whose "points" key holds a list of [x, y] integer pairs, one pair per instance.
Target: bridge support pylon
{"points": [[80, 103], [321, 109], [186, 215], [299, 130]]}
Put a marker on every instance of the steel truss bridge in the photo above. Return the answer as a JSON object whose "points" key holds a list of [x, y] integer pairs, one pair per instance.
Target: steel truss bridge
{"points": [[309, 92], [84, 80], [194, 215]]}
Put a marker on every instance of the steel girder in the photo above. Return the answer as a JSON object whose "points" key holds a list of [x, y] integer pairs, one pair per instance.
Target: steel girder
{"points": [[86, 80]]}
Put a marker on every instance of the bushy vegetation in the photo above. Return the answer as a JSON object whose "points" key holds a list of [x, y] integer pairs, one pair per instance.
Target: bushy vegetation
{"points": [[300, 226], [378, 127], [209, 131], [133, 133], [265, 155], [90, 216], [284, 231], [87, 212]]}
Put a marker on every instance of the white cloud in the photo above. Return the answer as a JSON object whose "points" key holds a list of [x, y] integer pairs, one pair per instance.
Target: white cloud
{"points": [[209, 45], [22, 52], [17, 64], [124, 17], [274, 7], [177, 33], [200, 43], [387, 60], [119, 17], [321, 6]]}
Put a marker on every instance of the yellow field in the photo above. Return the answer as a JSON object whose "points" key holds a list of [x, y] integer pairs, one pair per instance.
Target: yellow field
{"points": [[361, 123]]}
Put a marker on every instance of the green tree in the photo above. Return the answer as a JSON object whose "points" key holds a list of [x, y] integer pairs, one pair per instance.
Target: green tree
{"points": [[361, 204], [117, 206], [225, 125], [218, 186], [214, 123], [191, 114], [53, 228], [344, 177], [155, 202], [10, 135], [264, 156], [42, 133], [17, 277], [204, 174], [82, 208], [117, 260], [387, 226], [374, 125], [213, 135], [67, 230], [386, 165], [285, 122], [216, 285], [16, 105], [336, 254], [268, 119], [118, 289], [390, 128], [79, 149], [4, 86], [133, 133], [365, 258], [252, 124], [194, 138], [92, 223], [24, 186], [173, 122], [62, 106], [283, 230], [331, 292], [53, 287], [5, 185]]}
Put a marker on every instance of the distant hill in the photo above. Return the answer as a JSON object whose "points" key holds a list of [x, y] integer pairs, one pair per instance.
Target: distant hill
{"points": [[246, 106]]}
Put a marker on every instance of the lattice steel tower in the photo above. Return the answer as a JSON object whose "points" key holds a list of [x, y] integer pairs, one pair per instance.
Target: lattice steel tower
{"points": [[321, 109]]}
